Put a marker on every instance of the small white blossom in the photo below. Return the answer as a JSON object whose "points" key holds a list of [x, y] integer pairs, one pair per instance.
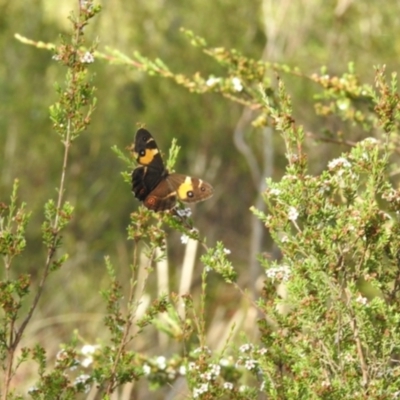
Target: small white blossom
{"points": [[184, 212], [228, 385], [293, 214], [343, 105], [161, 362], [200, 390], [224, 362], [262, 351], [212, 373], [212, 80], [192, 366], [87, 58], [82, 380], [87, 361], [362, 300], [370, 140], [275, 192], [227, 251], [56, 57], [61, 355], [86, 5], [281, 273], [339, 162], [171, 374], [242, 388], [32, 389], [215, 369], [201, 349], [182, 370], [250, 364], [184, 239], [89, 349], [325, 383], [348, 357], [244, 348], [146, 369], [237, 84]]}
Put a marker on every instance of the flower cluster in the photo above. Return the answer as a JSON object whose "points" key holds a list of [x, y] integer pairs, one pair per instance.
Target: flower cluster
{"points": [[184, 212], [279, 273], [216, 260]]}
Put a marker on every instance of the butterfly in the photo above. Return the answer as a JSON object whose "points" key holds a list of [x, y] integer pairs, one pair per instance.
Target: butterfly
{"points": [[152, 184]]}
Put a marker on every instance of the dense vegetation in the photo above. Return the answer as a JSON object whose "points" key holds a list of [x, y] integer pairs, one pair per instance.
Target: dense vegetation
{"points": [[288, 287]]}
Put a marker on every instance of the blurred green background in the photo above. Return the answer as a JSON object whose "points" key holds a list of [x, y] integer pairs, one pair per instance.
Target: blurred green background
{"points": [[307, 34]]}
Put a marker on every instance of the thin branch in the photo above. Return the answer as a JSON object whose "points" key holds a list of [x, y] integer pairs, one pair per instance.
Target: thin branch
{"points": [[348, 143], [356, 335]]}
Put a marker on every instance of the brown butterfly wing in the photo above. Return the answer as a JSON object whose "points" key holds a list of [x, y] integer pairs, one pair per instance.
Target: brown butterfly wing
{"points": [[162, 198], [146, 177], [143, 182], [188, 189], [174, 187]]}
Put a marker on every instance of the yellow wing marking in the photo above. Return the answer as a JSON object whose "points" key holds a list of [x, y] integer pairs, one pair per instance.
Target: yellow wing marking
{"points": [[184, 188]]}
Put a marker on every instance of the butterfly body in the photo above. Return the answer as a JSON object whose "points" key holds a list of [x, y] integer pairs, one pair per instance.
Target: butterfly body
{"points": [[155, 186]]}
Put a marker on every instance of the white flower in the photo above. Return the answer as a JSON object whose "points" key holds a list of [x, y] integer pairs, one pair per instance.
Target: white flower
{"points": [[224, 362], [200, 390], [343, 104], [184, 239], [201, 349], [182, 370], [227, 251], [192, 366], [61, 355], [339, 162], [250, 364], [87, 361], [293, 214], [212, 373], [208, 268], [89, 349], [228, 385], [87, 58], [370, 140], [275, 192], [244, 348], [212, 80], [146, 369], [215, 369], [262, 351], [281, 273], [237, 84], [184, 212], [362, 300], [161, 362], [81, 380]]}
